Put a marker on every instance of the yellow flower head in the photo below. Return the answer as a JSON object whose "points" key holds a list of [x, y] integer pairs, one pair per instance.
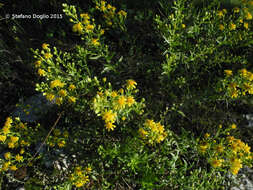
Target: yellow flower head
{"points": [[48, 55], [221, 27], [63, 93], [8, 122], [56, 83], [109, 126], [41, 72], [13, 168], [216, 163], [114, 94], [7, 155], [95, 42], [11, 145], [45, 46], [2, 138], [18, 158], [72, 99], [6, 130], [121, 102], [49, 96], [14, 139], [248, 16], [246, 25], [131, 84], [109, 116], [236, 10], [78, 28], [61, 143], [130, 100], [232, 26], [228, 72], [58, 101], [72, 87], [233, 126]]}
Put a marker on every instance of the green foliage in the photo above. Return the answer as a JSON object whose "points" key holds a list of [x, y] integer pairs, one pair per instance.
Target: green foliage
{"points": [[133, 104]]}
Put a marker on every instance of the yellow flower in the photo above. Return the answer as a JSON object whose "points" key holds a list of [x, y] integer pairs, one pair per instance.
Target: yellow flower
{"points": [[61, 143], [6, 130], [109, 126], [246, 25], [233, 126], [228, 72], [18, 158], [121, 91], [121, 102], [14, 139], [45, 46], [244, 72], [232, 26], [123, 118], [2, 138], [57, 132], [37, 63], [62, 93], [122, 13], [48, 55], [41, 72], [5, 166], [234, 94], [114, 94], [7, 155], [72, 99], [8, 122], [78, 28], [95, 42], [216, 162], [49, 96], [56, 83], [72, 87], [13, 168], [221, 27], [89, 27], [248, 16], [22, 151], [102, 32], [203, 147], [130, 101], [219, 148], [11, 145], [207, 135], [236, 10], [58, 101], [235, 165], [183, 25], [143, 133], [109, 116], [131, 84], [220, 14], [85, 16]]}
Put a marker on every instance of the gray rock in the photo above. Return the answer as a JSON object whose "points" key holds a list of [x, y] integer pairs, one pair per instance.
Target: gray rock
{"points": [[33, 109]]}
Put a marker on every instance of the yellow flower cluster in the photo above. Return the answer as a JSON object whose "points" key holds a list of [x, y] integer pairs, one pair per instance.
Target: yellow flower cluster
{"points": [[226, 152], [61, 94], [242, 86], [113, 105], [15, 136], [58, 138], [79, 177], [109, 12], [152, 132]]}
